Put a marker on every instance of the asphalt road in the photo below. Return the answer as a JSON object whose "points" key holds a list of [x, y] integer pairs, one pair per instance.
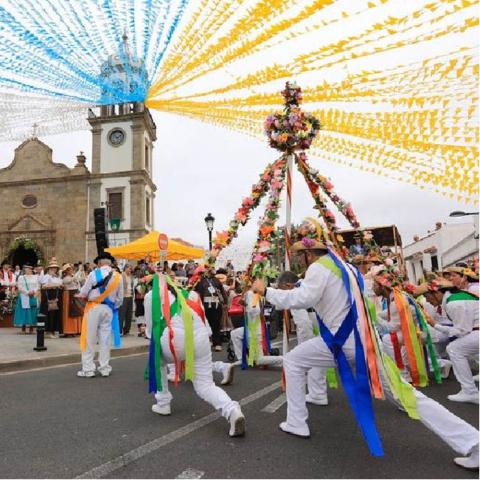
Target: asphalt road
{"points": [[55, 425]]}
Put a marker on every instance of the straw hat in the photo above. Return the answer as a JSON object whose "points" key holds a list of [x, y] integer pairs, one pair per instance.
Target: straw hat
{"points": [[467, 272], [66, 267], [433, 286], [53, 263]]}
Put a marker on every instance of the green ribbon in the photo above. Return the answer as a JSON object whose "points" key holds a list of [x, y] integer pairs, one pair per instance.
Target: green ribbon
{"points": [[332, 379], [253, 351], [184, 310], [401, 390], [431, 350], [158, 326]]}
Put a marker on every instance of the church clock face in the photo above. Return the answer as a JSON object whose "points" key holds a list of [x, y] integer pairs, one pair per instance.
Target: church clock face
{"points": [[116, 137]]}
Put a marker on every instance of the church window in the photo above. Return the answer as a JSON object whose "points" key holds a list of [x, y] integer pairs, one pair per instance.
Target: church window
{"points": [[148, 211], [115, 205], [29, 201], [147, 163]]}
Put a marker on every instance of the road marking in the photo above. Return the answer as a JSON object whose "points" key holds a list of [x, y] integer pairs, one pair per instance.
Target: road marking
{"points": [[139, 452], [272, 407], [191, 473]]}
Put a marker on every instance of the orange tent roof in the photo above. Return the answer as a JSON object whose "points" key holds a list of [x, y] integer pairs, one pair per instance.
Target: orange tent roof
{"points": [[147, 247]]}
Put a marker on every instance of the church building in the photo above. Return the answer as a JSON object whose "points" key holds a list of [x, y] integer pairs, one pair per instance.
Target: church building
{"points": [[47, 207]]}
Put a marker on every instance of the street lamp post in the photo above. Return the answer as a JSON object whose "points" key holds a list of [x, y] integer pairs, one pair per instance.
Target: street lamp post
{"points": [[209, 221], [457, 213]]}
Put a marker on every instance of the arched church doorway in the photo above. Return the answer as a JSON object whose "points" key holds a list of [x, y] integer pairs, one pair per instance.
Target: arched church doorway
{"points": [[24, 250]]}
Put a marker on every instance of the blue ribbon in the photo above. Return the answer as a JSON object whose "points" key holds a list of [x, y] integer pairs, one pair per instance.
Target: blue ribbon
{"points": [[152, 378], [117, 341], [245, 344], [358, 387]]}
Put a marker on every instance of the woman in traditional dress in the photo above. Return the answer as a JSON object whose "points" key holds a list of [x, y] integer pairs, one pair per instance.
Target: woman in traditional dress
{"points": [[26, 309], [71, 312]]}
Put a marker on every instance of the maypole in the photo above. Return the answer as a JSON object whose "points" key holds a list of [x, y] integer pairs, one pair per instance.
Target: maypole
{"points": [[288, 230]]}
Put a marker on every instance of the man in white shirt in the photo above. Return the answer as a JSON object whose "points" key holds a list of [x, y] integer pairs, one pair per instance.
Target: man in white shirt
{"points": [[305, 322], [461, 308], [324, 290], [103, 290], [463, 279], [174, 337]]}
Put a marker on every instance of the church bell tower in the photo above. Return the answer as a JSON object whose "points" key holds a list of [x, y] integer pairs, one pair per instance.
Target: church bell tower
{"points": [[123, 136]]}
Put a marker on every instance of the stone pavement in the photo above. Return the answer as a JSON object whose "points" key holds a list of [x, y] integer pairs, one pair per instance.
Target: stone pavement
{"points": [[16, 350]]}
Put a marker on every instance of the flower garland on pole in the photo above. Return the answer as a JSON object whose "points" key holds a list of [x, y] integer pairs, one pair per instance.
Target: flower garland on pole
{"points": [[291, 132], [259, 190]]}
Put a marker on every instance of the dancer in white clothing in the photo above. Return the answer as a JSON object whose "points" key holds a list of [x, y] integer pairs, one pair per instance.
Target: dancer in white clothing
{"points": [[461, 307], [307, 327], [255, 335], [324, 290], [186, 337]]}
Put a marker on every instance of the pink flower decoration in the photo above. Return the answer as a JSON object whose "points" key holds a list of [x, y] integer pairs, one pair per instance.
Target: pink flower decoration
{"points": [[258, 258], [308, 242]]}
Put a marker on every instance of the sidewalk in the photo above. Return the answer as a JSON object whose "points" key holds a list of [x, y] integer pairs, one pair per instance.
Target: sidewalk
{"points": [[16, 351]]}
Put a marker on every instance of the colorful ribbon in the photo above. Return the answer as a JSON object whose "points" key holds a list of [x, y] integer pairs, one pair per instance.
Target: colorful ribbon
{"points": [[102, 298], [410, 339], [358, 387]]}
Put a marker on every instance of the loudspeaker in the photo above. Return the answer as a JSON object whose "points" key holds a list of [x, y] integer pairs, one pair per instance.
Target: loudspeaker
{"points": [[100, 229]]}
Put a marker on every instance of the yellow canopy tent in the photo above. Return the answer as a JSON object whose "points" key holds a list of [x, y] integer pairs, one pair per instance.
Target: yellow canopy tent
{"points": [[147, 247]]}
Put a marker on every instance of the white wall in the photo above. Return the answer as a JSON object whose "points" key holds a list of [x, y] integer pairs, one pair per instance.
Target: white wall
{"points": [[116, 159], [443, 240]]}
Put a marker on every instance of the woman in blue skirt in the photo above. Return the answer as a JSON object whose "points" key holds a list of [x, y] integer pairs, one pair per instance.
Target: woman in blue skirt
{"points": [[26, 309]]}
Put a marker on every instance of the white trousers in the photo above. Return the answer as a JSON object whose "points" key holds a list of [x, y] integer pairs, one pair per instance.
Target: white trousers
{"points": [[454, 431], [316, 376], [99, 328], [237, 339], [217, 367], [459, 351], [203, 383]]}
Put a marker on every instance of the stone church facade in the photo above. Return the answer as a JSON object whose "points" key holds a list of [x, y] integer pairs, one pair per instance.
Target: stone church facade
{"points": [[43, 204], [47, 208]]}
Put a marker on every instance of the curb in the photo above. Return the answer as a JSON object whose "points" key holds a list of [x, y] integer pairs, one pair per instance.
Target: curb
{"points": [[65, 359]]}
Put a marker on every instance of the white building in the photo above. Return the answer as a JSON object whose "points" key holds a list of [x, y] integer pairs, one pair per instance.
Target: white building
{"points": [[445, 246]]}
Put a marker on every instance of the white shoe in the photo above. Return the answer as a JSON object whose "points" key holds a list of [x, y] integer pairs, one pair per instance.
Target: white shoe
{"points": [[475, 378], [105, 374], [470, 462], [237, 423], [228, 374], [171, 377], [316, 401], [161, 409], [83, 374], [302, 433], [445, 369], [464, 397]]}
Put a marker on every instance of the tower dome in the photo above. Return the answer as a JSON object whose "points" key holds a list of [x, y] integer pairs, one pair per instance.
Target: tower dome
{"points": [[123, 77]]}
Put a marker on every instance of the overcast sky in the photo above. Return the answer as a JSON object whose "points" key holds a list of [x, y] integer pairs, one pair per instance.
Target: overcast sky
{"points": [[199, 168]]}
